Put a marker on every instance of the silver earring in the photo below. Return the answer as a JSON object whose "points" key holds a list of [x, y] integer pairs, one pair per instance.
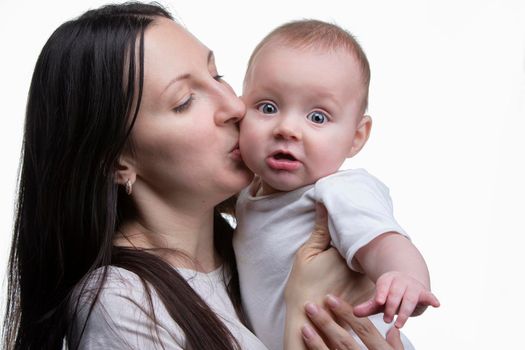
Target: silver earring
{"points": [[129, 187]]}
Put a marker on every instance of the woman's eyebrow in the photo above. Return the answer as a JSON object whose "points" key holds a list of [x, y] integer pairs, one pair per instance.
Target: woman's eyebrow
{"points": [[176, 79], [186, 75]]}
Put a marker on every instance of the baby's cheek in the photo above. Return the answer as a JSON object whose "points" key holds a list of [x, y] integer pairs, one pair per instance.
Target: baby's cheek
{"points": [[325, 163], [244, 127], [249, 146], [244, 142], [248, 135]]}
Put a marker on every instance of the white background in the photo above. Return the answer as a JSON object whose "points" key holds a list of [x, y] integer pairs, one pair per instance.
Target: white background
{"points": [[448, 103]]}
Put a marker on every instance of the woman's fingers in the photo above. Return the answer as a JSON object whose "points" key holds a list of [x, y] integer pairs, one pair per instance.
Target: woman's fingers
{"points": [[311, 339], [393, 338], [319, 240], [338, 337], [365, 330]]}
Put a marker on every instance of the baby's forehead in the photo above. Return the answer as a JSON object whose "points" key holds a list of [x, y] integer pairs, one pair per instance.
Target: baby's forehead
{"points": [[308, 48], [347, 61], [311, 73]]}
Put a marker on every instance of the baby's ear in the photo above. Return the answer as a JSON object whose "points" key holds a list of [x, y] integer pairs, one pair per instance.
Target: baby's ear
{"points": [[361, 135], [125, 170]]}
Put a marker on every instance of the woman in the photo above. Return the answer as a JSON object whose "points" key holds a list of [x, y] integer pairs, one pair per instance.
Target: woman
{"points": [[130, 156]]}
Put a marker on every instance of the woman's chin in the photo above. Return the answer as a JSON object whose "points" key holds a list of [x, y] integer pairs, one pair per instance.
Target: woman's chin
{"points": [[245, 176]]}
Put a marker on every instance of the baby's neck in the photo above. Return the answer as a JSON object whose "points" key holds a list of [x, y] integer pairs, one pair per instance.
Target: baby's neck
{"points": [[261, 188], [264, 189]]}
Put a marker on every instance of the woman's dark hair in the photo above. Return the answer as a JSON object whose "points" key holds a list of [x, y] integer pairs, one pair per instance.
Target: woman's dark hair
{"points": [[80, 112]]}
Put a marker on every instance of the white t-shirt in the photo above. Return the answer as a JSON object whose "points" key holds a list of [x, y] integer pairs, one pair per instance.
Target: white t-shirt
{"points": [[270, 229], [120, 320]]}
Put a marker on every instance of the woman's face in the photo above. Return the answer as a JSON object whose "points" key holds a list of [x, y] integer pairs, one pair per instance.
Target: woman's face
{"points": [[185, 138]]}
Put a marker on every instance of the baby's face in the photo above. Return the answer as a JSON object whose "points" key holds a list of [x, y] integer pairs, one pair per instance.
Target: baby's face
{"points": [[303, 110]]}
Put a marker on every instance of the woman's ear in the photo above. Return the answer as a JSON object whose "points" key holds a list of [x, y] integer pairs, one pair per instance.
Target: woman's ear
{"points": [[125, 170], [361, 135]]}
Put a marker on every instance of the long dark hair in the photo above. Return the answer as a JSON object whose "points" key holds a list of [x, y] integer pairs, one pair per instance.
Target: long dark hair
{"points": [[79, 116]]}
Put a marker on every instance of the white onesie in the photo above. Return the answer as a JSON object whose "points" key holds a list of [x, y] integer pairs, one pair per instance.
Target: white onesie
{"points": [[270, 229]]}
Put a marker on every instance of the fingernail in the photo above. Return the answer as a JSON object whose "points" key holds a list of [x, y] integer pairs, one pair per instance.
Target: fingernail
{"points": [[311, 309], [308, 332], [332, 301]]}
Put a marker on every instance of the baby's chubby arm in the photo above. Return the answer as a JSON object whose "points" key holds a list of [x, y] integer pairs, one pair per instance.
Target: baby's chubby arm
{"points": [[401, 276]]}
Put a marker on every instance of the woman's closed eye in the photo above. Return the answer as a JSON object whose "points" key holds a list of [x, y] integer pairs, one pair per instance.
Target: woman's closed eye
{"points": [[184, 105]]}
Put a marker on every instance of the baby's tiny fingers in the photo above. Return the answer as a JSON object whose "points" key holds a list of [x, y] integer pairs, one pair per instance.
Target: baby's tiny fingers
{"points": [[425, 299], [406, 309], [429, 298], [392, 303], [369, 307], [383, 285]]}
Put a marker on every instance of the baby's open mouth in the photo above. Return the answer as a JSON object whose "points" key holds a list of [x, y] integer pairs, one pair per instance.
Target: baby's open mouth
{"points": [[283, 156], [283, 161]]}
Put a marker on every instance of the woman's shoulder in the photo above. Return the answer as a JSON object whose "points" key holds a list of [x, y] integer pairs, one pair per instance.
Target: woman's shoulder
{"points": [[107, 291], [107, 281], [117, 308]]}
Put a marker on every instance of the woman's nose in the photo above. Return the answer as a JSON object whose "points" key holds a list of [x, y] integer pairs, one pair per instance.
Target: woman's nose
{"points": [[231, 108]]}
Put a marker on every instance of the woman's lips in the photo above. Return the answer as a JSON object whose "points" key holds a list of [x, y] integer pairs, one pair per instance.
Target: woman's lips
{"points": [[235, 153]]}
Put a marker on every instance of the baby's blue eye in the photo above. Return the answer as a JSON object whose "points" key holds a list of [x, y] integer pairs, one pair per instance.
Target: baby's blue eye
{"points": [[317, 117], [267, 108]]}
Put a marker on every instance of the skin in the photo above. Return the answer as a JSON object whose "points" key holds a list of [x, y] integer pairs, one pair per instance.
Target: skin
{"points": [[337, 335], [188, 117], [184, 158], [304, 118], [402, 280], [309, 113], [316, 262]]}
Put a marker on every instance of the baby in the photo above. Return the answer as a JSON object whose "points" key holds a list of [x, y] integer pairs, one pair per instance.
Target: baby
{"points": [[306, 92]]}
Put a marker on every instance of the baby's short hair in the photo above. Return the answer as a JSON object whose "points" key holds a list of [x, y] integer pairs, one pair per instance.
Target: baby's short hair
{"points": [[310, 33]]}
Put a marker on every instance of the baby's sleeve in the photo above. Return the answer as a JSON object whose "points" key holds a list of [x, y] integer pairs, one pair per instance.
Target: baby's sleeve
{"points": [[359, 210]]}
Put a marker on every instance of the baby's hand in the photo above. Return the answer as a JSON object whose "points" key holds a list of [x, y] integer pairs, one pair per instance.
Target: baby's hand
{"points": [[397, 293]]}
